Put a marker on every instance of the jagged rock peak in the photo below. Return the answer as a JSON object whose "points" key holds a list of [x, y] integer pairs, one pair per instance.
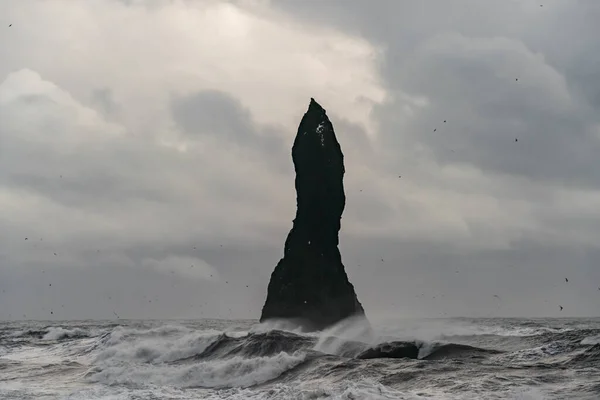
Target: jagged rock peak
{"points": [[314, 106], [309, 285], [315, 121]]}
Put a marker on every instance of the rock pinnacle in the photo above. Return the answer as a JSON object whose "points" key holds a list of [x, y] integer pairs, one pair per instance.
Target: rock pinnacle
{"points": [[309, 284]]}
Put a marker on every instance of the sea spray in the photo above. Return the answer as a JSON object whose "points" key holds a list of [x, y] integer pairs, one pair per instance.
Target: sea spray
{"points": [[156, 349], [232, 372]]}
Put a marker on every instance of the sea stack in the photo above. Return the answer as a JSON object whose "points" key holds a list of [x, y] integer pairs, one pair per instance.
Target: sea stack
{"points": [[309, 285]]}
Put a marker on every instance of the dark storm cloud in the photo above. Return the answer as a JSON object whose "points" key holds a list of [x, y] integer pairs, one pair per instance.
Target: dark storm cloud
{"points": [[507, 111], [213, 112], [497, 72]]}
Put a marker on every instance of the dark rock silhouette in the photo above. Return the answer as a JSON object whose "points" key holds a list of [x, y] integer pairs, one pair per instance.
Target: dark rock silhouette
{"points": [[456, 351], [309, 284], [391, 350], [436, 351]]}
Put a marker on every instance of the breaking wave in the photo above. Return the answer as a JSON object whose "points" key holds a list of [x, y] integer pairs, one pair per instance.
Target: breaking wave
{"points": [[227, 373], [278, 361], [61, 334]]}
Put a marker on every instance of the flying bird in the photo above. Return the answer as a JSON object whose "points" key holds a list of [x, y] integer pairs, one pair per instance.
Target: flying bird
{"points": [[561, 308], [567, 280]]}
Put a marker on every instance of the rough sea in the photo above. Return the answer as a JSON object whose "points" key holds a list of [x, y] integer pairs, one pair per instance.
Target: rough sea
{"points": [[217, 359]]}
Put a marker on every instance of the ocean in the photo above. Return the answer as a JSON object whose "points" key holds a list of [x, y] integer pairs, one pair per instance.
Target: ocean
{"points": [[459, 358]]}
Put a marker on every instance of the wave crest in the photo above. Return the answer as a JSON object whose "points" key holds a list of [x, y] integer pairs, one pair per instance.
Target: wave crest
{"points": [[233, 372]]}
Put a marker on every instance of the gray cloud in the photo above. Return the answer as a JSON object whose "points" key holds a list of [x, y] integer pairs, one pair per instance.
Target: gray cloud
{"points": [[530, 127], [217, 113], [103, 101], [134, 175], [214, 112]]}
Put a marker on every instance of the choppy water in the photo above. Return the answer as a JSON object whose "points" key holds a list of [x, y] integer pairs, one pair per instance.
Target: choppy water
{"points": [[215, 359]]}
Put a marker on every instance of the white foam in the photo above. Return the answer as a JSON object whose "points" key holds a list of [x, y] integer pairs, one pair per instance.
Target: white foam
{"points": [[333, 339], [591, 340], [120, 333], [233, 372], [426, 348], [58, 333], [535, 353], [36, 355], [237, 334], [156, 349], [361, 389], [278, 325], [137, 362]]}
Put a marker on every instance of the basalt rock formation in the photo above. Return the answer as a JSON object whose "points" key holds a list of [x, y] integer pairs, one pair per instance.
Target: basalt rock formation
{"points": [[309, 284]]}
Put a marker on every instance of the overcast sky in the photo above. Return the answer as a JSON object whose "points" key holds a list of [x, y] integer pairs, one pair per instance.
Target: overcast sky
{"points": [[145, 153]]}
